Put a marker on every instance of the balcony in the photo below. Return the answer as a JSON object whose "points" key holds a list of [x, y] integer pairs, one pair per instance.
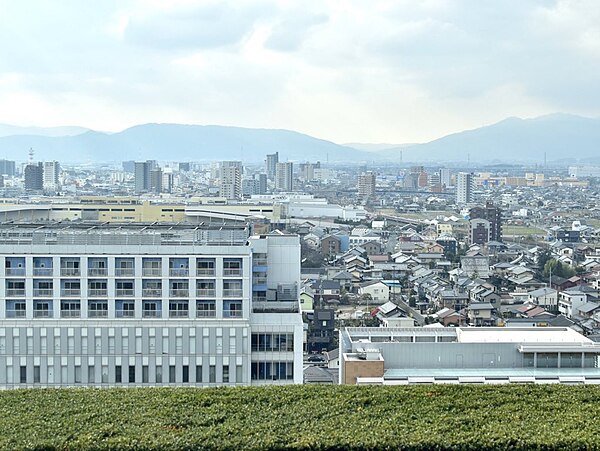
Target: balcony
{"points": [[151, 272], [70, 272], [179, 293], [233, 314], [43, 272], [11, 272], [206, 313], [233, 293], [179, 272], [15, 292], [124, 272], [70, 314], [275, 306], [200, 272], [152, 292], [42, 314], [232, 272], [178, 313], [16, 313], [124, 313], [43, 292], [151, 314], [72, 292], [97, 292], [97, 272], [259, 262], [98, 313], [206, 292], [124, 293]]}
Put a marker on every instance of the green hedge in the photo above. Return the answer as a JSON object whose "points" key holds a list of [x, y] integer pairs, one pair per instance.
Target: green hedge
{"points": [[303, 417]]}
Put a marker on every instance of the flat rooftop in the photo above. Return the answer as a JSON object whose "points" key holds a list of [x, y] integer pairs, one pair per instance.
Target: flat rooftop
{"points": [[524, 335]]}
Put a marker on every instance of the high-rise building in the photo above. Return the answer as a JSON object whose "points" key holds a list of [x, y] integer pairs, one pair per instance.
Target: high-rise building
{"points": [[148, 305], [156, 179], [142, 175], [485, 224], [284, 177], [7, 167], [34, 177], [262, 183], [366, 184], [464, 188], [271, 166], [230, 174], [307, 171], [51, 173], [444, 174]]}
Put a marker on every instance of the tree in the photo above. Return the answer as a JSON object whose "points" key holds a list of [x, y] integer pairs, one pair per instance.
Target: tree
{"points": [[557, 268], [542, 259]]}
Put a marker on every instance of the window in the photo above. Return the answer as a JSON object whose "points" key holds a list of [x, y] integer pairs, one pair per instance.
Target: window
{"points": [[179, 288], [124, 288], [151, 309], [145, 374], [97, 267], [212, 374], [269, 342], [124, 309], [225, 373], [69, 266], [172, 374], [70, 308], [232, 309], [118, 374], [159, 374], [232, 267], [16, 309], [205, 267], [36, 374], [272, 370], [232, 288], [15, 287], [185, 375], [198, 374], [104, 374], [206, 309], [151, 267], [97, 309], [42, 309], [124, 267], [239, 374], [77, 373], [178, 309], [70, 287], [97, 287], [205, 288], [132, 374], [23, 374], [151, 288], [42, 288], [91, 374]]}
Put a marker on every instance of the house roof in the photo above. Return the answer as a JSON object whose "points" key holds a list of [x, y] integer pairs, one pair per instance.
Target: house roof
{"points": [[481, 306]]}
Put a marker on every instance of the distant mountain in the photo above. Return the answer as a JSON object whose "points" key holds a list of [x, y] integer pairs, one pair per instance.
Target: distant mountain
{"points": [[559, 136], [11, 130], [181, 142]]}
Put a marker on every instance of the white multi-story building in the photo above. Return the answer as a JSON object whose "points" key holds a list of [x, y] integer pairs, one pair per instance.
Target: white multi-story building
{"points": [[139, 305], [51, 173], [464, 188]]}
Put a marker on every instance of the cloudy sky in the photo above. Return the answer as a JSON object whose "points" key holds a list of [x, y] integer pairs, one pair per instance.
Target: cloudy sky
{"points": [[349, 71]]}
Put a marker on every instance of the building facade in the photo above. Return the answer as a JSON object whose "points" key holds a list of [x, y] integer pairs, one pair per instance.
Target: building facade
{"points": [[51, 173], [284, 177], [366, 185], [485, 224], [148, 305]]}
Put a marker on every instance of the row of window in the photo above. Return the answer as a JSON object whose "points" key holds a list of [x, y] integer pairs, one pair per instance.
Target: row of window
{"points": [[124, 266], [272, 342], [271, 371], [561, 360], [122, 346], [129, 374], [99, 288], [71, 308]]}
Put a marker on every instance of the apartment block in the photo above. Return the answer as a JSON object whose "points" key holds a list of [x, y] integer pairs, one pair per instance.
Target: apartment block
{"points": [[124, 305]]}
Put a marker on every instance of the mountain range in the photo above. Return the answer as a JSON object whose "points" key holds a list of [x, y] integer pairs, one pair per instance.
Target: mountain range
{"points": [[552, 137]]}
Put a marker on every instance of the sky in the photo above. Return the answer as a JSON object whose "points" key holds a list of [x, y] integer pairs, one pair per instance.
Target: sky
{"points": [[395, 71]]}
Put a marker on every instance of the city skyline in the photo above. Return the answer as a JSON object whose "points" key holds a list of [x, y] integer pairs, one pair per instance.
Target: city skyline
{"points": [[345, 72]]}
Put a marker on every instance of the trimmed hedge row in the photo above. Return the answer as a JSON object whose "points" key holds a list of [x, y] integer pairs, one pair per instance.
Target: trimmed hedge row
{"points": [[303, 417]]}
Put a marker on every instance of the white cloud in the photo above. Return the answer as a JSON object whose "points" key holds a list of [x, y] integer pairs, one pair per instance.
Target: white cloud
{"points": [[387, 70]]}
